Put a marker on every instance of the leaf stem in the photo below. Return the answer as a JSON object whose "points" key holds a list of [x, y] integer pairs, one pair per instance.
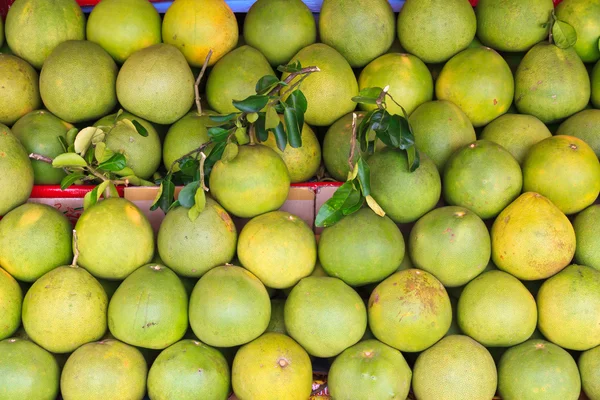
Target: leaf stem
{"points": [[197, 84], [381, 97], [202, 171], [75, 249], [352, 142], [304, 71], [39, 157], [195, 151]]}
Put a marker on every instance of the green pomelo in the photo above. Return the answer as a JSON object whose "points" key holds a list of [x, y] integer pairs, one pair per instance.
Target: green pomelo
{"points": [[483, 177], [532, 239], [256, 181], [440, 128], [595, 82], [566, 170], [368, 370], [452, 243], [410, 310], [191, 248], [480, 82], [35, 27], [229, 307], [551, 83], [277, 323], [19, 89], [589, 368], [587, 233], [102, 370], [123, 27], [11, 298], [27, 371], [311, 306], [584, 125], [457, 367], [380, 252], [189, 370], [435, 30], [65, 309], [157, 84], [410, 82], [538, 370], [584, 16], [34, 239]]}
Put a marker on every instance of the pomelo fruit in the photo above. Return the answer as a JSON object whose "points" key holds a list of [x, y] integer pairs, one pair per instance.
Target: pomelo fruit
{"points": [[567, 306], [65, 309], [369, 369], [27, 371], [123, 27], [538, 369], [452, 243], [516, 133], [480, 82], [229, 307], [107, 369], [311, 306], [584, 16], [19, 89], [11, 298], [16, 171], [35, 27], [564, 169], [191, 248], [286, 373], [409, 80], [435, 30], [410, 310], [405, 196], [595, 82], [277, 323], [335, 80], [380, 252], [457, 367], [483, 177], [157, 84], [189, 369], [114, 239], [532, 239], [555, 91], [34, 239], [279, 28], [589, 369], [360, 30], [440, 128], [256, 181], [197, 27], [587, 233], [584, 125], [234, 77], [512, 25]]}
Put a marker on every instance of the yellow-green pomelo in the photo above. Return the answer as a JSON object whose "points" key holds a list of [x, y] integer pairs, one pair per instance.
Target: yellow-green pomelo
{"points": [[409, 80], [440, 128], [410, 310], [19, 89], [516, 133], [256, 181], [34, 239], [196, 27], [584, 125], [277, 322], [279, 28], [405, 196], [564, 169], [157, 84], [234, 77], [568, 306], [35, 27], [101, 370], [27, 371], [538, 370], [595, 82], [435, 30], [229, 307], [335, 80], [483, 177], [65, 309], [457, 367], [114, 238], [380, 252], [589, 368], [123, 27], [360, 30], [512, 25], [587, 232], [286, 373], [532, 239], [452, 243], [551, 83], [584, 16], [480, 82], [16, 171], [11, 299], [189, 369], [369, 369], [311, 306]]}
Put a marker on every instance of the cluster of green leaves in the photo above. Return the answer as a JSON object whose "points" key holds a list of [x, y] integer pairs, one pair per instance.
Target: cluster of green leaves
{"points": [[562, 33]]}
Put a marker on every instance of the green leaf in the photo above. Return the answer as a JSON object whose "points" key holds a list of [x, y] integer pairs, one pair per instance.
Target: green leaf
{"points": [[354, 203], [125, 172], [259, 128], [70, 179], [117, 115], [89, 156], [414, 160], [63, 143], [189, 166], [193, 214], [218, 134], [71, 134], [598, 44], [112, 189], [68, 160], [200, 199], [140, 128], [266, 84], [94, 195], [186, 196], [271, 118], [101, 153], [564, 34], [292, 67], [363, 129], [252, 117], [222, 118], [297, 101], [116, 163], [373, 205], [368, 95], [213, 157], [251, 104], [364, 176], [173, 205], [332, 211], [241, 136], [230, 152], [293, 129], [83, 140], [164, 198], [280, 136]]}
